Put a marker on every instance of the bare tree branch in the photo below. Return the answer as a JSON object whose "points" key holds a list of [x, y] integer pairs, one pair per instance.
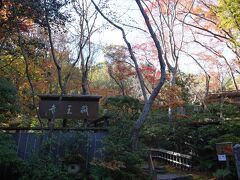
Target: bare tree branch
{"points": [[129, 49]]}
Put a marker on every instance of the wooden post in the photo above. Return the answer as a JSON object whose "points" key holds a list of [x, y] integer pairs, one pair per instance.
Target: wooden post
{"points": [[151, 167], [64, 123], [236, 150]]}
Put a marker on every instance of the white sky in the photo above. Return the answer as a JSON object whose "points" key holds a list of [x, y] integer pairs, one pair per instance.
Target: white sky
{"points": [[113, 36]]}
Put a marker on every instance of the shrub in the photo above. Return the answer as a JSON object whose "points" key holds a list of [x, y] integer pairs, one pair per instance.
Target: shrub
{"points": [[8, 100], [10, 164], [120, 161], [223, 174], [123, 106], [44, 167], [198, 137], [48, 164]]}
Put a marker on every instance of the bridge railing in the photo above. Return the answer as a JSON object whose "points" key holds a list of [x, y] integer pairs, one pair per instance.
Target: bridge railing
{"points": [[176, 159]]}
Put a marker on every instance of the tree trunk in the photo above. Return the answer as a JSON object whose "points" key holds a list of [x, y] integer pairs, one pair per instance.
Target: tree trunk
{"points": [[85, 90], [146, 109], [172, 83], [207, 77]]}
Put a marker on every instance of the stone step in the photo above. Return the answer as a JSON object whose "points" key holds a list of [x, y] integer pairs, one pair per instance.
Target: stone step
{"points": [[160, 169], [172, 176]]}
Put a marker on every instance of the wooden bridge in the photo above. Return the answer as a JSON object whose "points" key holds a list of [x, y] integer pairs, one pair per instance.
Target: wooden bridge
{"points": [[175, 159]]}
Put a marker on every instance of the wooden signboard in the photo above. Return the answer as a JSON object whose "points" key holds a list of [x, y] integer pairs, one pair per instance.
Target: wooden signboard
{"points": [[222, 157], [224, 148], [69, 107]]}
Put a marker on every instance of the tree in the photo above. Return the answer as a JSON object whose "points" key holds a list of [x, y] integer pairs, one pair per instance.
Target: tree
{"points": [[103, 84], [85, 28], [18, 18], [118, 68], [48, 8], [9, 102], [148, 101], [167, 19], [211, 37], [20, 46], [229, 14], [198, 93]]}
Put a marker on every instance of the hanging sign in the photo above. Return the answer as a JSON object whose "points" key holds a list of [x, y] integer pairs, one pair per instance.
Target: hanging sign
{"points": [[69, 107]]}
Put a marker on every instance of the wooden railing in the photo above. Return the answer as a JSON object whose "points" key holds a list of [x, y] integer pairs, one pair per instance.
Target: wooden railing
{"points": [[152, 170], [177, 159]]}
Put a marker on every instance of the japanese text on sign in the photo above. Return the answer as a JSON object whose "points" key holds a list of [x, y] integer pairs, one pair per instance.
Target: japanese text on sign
{"points": [[84, 109], [69, 109], [53, 109]]}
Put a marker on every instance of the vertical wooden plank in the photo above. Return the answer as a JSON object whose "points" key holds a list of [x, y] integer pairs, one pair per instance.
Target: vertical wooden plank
{"points": [[95, 139], [26, 146], [88, 147], [34, 145], [58, 143], [19, 140]]}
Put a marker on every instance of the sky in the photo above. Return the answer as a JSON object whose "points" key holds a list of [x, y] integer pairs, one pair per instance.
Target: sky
{"points": [[130, 12], [113, 36]]}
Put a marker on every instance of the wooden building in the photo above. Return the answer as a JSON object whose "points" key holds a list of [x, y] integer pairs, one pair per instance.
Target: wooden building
{"points": [[227, 97]]}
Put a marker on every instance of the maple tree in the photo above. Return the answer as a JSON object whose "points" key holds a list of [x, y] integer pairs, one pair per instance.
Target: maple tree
{"points": [[229, 14], [147, 101], [160, 18], [118, 68], [22, 49], [151, 74], [167, 18], [147, 57], [210, 36]]}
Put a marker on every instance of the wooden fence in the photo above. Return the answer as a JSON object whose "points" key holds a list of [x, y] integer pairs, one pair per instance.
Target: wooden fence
{"points": [[86, 141], [177, 159], [61, 143]]}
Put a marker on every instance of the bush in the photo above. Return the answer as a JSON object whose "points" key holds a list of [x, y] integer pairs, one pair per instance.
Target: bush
{"points": [[10, 164], [120, 161], [198, 136], [123, 106], [8, 100], [223, 174], [44, 167], [227, 110], [46, 164]]}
